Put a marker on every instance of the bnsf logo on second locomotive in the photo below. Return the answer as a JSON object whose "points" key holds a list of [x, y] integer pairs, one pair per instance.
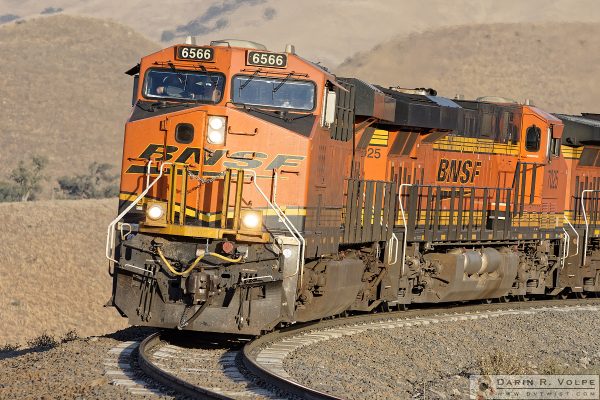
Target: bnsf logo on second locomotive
{"points": [[458, 171]]}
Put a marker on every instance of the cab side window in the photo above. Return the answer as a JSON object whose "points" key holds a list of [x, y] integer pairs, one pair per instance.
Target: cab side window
{"points": [[532, 138]]}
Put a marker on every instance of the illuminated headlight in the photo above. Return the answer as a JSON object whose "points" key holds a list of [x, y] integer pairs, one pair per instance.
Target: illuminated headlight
{"points": [[155, 212], [251, 220], [216, 130], [216, 123]]}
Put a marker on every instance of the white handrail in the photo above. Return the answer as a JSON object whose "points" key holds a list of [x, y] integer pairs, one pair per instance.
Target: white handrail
{"points": [[587, 225], [288, 224], [565, 248], [110, 236], [576, 235], [394, 238], [405, 227], [148, 172]]}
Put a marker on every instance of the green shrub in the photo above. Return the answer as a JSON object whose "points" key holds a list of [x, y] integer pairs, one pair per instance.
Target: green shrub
{"points": [[25, 179], [97, 183]]}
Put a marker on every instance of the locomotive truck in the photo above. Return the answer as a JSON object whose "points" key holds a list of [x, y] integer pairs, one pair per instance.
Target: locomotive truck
{"points": [[259, 189]]}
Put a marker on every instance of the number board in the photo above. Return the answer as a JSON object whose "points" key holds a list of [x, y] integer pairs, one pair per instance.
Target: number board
{"points": [[194, 53], [262, 59]]}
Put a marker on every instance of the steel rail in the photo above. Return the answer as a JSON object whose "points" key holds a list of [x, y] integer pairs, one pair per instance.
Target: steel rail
{"points": [[171, 381], [285, 384]]}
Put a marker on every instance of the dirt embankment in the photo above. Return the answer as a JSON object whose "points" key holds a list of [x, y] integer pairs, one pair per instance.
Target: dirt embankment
{"points": [[53, 273], [65, 95]]}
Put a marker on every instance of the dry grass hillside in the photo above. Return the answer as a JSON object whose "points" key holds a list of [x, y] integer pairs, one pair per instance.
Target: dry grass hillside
{"points": [[556, 65], [64, 91], [323, 30], [53, 274]]}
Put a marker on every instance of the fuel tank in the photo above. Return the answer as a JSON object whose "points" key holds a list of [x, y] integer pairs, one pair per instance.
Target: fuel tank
{"points": [[460, 275]]}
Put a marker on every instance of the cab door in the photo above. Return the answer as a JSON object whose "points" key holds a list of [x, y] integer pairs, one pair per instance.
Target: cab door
{"points": [[183, 143], [533, 157]]}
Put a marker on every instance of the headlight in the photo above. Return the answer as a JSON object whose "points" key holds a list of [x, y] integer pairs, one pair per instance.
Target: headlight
{"points": [[251, 220], [216, 123], [216, 129], [215, 137], [155, 212]]}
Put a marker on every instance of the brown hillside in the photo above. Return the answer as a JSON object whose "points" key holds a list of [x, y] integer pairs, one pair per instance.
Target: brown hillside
{"points": [[53, 273], [323, 30], [64, 91], [556, 65]]}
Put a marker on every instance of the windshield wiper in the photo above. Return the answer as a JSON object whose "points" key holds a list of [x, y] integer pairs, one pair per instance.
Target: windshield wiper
{"points": [[284, 115], [276, 88], [178, 72], [160, 105], [265, 112], [243, 85]]}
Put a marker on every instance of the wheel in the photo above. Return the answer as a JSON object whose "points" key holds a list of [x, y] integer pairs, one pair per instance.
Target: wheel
{"points": [[523, 298], [504, 299], [487, 301], [581, 295], [564, 295]]}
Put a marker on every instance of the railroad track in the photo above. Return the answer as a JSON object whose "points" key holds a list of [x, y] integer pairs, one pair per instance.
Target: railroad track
{"points": [[243, 369]]}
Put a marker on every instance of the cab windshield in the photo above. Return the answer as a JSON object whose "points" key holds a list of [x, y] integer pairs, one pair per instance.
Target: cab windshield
{"points": [[184, 85], [274, 92]]}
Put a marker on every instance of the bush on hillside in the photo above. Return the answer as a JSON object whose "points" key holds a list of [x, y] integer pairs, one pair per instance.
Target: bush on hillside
{"points": [[25, 181], [97, 183]]}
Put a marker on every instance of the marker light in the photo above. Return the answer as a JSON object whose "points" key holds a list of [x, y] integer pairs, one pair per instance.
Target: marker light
{"points": [[251, 220], [216, 129], [155, 212]]}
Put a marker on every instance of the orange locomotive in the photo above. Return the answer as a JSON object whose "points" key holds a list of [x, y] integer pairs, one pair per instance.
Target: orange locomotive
{"points": [[259, 189]]}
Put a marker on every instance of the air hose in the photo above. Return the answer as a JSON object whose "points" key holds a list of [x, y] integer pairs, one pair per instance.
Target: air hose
{"points": [[195, 263]]}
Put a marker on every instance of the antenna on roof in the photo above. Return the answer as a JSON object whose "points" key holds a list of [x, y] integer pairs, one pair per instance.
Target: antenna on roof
{"points": [[290, 49], [190, 40]]}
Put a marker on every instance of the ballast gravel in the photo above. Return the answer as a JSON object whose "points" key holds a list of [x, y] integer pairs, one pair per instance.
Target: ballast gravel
{"points": [[72, 370], [435, 361]]}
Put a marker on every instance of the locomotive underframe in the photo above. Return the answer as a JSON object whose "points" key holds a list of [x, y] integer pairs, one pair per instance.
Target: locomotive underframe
{"points": [[253, 296]]}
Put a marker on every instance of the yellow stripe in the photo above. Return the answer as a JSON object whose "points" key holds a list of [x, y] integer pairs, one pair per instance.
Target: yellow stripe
{"points": [[378, 142], [216, 216], [571, 152], [475, 145], [379, 138]]}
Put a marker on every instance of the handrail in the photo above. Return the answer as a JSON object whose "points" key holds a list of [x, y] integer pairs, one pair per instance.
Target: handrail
{"points": [[111, 227], [565, 247], [288, 224], [394, 238], [576, 234], [405, 227], [587, 225], [148, 172]]}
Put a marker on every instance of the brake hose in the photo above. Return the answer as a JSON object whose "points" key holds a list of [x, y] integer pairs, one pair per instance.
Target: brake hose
{"points": [[195, 263]]}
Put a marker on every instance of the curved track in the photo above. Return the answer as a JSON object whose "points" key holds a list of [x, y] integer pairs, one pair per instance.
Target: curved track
{"points": [[257, 368]]}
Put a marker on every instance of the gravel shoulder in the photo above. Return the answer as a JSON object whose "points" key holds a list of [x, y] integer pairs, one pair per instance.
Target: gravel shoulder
{"points": [[435, 361], [71, 370]]}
